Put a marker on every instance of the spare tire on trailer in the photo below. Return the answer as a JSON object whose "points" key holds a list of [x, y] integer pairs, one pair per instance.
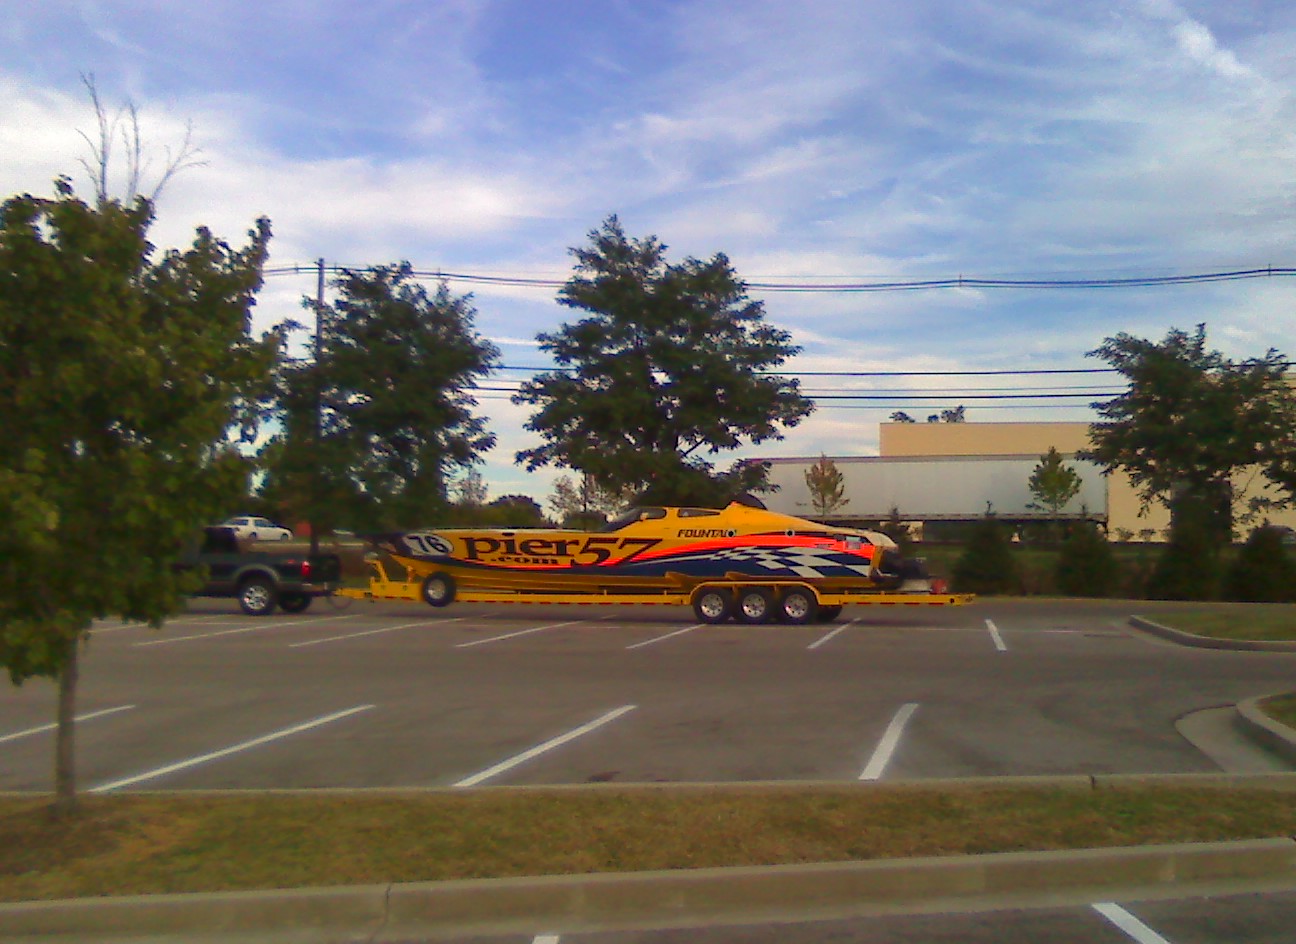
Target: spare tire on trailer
{"points": [[712, 604], [439, 589]]}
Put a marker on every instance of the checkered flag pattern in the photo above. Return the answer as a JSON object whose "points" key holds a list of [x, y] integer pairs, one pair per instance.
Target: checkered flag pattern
{"points": [[801, 561]]}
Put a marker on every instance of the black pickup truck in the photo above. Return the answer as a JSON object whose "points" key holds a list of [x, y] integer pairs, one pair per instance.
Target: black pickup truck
{"points": [[260, 579]]}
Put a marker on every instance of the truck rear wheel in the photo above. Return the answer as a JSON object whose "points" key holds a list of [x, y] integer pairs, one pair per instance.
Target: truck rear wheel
{"points": [[295, 602], [712, 604], [798, 605], [257, 596], [439, 589], [755, 605], [828, 613]]}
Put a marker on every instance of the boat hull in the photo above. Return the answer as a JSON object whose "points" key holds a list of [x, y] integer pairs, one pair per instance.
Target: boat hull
{"points": [[672, 552]]}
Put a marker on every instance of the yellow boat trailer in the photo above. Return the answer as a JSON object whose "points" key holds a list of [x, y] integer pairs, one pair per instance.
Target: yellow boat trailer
{"points": [[822, 605]]}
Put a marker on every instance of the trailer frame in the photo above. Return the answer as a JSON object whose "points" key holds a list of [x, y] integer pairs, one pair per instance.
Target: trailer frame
{"points": [[382, 587]]}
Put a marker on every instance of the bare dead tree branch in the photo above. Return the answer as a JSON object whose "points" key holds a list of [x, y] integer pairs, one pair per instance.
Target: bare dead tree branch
{"points": [[124, 124]]}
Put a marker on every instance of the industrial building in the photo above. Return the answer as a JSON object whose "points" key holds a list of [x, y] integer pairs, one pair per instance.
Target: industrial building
{"points": [[930, 472]]}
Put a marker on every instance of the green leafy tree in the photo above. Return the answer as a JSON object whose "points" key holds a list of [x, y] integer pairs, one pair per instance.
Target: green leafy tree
{"points": [[899, 416], [518, 511], [827, 486], [670, 365], [1054, 484], [1190, 419], [377, 422], [897, 530], [121, 373], [1263, 571], [1086, 566], [1189, 567], [987, 564]]}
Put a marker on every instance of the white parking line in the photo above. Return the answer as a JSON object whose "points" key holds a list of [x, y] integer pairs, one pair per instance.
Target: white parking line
{"points": [[374, 632], [545, 939], [166, 640], [117, 627], [994, 634], [225, 752], [1131, 925], [840, 629], [890, 741], [521, 632], [678, 632], [542, 748], [50, 727]]}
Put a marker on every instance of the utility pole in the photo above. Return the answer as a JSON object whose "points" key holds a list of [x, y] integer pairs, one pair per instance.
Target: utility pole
{"points": [[316, 491]]}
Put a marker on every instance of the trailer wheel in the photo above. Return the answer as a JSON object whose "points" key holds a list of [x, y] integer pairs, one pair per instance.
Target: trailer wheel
{"points": [[755, 605], [828, 613], [257, 596], [798, 605], [439, 589], [712, 604]]}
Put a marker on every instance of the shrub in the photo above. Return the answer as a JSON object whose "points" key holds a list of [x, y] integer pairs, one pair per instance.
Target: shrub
{"points": [[1189, 567], [1263, 571], [1086, 566], [987, 564]]}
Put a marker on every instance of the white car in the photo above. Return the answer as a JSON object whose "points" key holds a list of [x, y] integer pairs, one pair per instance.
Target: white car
{"points": [[257, 529]]}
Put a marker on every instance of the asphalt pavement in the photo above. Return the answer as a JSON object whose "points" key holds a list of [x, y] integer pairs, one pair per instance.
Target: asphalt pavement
{"points": [[400, 695]]}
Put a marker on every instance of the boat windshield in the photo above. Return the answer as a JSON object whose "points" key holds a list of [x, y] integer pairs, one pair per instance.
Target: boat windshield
{"points": [[633, 515]]}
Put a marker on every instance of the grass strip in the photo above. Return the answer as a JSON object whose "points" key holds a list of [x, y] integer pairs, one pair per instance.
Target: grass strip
{"points": [[1260, 621], [149, 843], [1282, 708]]}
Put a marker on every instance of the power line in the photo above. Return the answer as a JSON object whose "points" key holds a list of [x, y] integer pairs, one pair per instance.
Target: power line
{"points": [[850, 287]]}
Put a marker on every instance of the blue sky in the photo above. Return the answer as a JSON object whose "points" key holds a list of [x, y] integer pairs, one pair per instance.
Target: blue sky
{"points": [[817, 141]]}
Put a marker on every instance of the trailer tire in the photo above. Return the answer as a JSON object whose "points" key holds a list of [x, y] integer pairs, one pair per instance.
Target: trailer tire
{"points": [[712, 604], [295, 602], [257, 596], [755, 605], [828, 613], [798, 605], [439, 589]]}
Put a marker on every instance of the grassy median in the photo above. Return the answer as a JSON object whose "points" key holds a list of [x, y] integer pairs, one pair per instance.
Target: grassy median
{"points": [[150, 843], [1265, 621]]}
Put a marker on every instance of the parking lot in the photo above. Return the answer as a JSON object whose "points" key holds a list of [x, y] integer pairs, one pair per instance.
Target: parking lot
{"points": [[402, 695]]}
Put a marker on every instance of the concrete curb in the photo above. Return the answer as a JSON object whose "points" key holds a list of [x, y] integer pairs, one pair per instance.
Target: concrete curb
{"points": [[1269, 733], [657, 899], [1206, 642]]}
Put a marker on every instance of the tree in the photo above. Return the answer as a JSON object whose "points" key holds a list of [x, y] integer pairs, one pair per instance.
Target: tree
{"points": [[1263, 571], [899, 416], [518, 511], [987, 564], [374, 425], [670, 365], [1053, 483], [127, 371], [472, 490], [1190, 419], [1086, 566], [583, 503], [827, 486]]}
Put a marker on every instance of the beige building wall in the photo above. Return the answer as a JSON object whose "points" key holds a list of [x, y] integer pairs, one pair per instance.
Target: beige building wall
{"points": [[981, 439], [1034, 439], [1023, 439]]}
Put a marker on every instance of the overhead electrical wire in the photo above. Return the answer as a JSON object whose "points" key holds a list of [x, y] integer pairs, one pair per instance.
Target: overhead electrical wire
{"points": [[851, 287]]}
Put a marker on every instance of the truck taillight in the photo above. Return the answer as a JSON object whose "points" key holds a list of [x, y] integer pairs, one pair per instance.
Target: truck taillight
{"points": [[306, 569]]}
